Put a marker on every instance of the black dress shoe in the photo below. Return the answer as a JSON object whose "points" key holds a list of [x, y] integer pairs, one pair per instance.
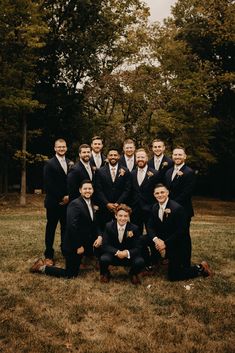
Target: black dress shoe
{"points": [[104, 278], [135, 280]]}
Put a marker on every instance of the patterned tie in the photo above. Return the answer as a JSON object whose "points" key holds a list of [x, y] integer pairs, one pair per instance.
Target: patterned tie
{"points": [[175, 171], [88, 168], [160, 213], [64, 165], [140, 176], [121, 234], [113, 173]]}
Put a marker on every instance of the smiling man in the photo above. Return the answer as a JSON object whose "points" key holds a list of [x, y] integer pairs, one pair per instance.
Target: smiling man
{"points": [[169, 238], [81, 236], [121, 246], [112, 186], [160, 161]]}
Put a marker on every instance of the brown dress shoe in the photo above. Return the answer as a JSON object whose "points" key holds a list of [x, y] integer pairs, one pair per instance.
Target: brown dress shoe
{"points": [[49, 262], [206, 270], [37, 266], [135, 279], [104, 278]]}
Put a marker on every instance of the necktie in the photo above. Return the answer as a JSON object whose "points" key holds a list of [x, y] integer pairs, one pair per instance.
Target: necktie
{"points": [[88, 168], [121, 234], [160, 213], [90, 209], [113, 173], [175, 171], [64, 165], [129, 164], [140, 176], [97, 161], [157, 163]]}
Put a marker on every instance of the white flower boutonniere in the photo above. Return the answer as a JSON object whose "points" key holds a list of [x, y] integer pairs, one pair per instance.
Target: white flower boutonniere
{"points": [[70, 164], [121, 172], [179, 173], [164, 164], [167, 211], [93, 168], [130, 234], [96, 208], [149, 174]]}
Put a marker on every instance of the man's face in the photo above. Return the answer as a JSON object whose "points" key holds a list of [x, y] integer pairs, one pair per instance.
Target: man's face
{"points": [[97, 146], [129, 149], [113, 157], [158, 148], [122, 217], [60, 148], [178, 156], [85, 154], [141, 159], [161, 194], [86, 190]]}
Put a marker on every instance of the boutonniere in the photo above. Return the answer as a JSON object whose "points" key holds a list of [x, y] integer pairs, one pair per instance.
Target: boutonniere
{"points": [[149, 174], [179, 173], [130, 234], [167, 211], [164, 164], [93, 168], [70, 164], [121, 172], [96, 208]]}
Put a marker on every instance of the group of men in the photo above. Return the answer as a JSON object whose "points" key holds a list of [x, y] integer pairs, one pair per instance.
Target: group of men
{"points": [[125, 209]]}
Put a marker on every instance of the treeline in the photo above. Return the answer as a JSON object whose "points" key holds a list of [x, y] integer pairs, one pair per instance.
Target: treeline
{"points": [[77, 68]]}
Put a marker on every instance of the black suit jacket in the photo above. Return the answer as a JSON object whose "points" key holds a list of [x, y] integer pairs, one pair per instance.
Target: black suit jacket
{"points": [[172, 230], [92, 162], [122, 162], [77, 174], [81, 230], [108, 191], [130, 240], [55, 182], [142, 196], [166, 164], [181, 187]]}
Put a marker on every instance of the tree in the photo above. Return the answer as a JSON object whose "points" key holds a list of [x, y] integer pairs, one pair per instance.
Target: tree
{"points": [[21, 37]]}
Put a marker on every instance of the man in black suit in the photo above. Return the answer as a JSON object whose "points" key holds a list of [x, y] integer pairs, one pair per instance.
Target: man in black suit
{"points": [[82, 235], [167, 231], [127, 160], [121, 246], [160, 161], [112, 187], [82, 170], [143, 181], [97, 157], [180, 181], [56, 200]]}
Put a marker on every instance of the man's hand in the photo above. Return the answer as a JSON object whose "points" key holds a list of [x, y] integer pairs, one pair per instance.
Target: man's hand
{"points": [[160, 245], [98, 242], [65, 200], [122, 254], [111, 206], [80, 250]]}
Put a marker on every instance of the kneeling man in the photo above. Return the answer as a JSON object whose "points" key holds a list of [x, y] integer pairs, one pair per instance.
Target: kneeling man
{"points": [[167, 229], [121, 246], [82, 235]]}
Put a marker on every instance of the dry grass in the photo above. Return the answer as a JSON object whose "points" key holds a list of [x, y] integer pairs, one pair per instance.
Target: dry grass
{"points": [[41, 314]]}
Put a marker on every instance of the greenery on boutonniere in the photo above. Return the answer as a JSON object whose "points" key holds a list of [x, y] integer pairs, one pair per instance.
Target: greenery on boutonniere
{"points": [[130, 234]]}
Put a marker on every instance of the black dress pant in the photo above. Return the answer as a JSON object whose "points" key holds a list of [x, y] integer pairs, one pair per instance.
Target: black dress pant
{"points": [[54, 215], [136, 263], [72, 265]]}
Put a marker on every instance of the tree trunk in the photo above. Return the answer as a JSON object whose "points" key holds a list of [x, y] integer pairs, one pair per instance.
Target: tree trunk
{"points": [[23, 166]]}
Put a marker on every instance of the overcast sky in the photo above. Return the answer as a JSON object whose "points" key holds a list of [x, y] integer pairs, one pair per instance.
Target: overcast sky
{"points": [[159, 9]]}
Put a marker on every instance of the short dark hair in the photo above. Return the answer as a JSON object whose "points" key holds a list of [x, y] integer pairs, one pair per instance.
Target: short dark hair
{"points": [[85, 181], [158, 140], [114, 149], [123, 207], [160, 185], [84, 145]]}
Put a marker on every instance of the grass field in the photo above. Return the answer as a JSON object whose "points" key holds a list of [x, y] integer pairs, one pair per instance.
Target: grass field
{"points": [[40, 314]]}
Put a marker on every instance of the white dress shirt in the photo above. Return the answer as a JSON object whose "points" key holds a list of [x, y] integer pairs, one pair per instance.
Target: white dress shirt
{"points": [[63, 163], [88, 169], [141, 172], [97, 159], [88, 202], [157, 161], [176, 169], [130, 162], [113, 171]]}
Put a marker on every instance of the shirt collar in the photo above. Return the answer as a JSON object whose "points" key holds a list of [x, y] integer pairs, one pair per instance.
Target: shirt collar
{"points": [[163, 206], [60, 158], [178, 167], [143, 169]]}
